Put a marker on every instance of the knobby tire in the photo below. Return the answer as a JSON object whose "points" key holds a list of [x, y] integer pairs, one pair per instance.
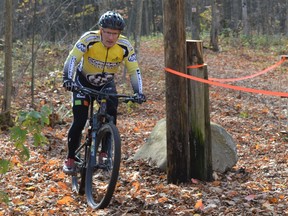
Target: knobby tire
{"points": [[98, 191]]}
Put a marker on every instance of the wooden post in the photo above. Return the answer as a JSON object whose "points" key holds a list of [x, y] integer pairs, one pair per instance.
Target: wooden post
{"points": [[176, 91], [200, 160]]}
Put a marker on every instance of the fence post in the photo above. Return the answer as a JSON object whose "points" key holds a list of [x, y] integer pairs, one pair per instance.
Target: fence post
{"points": [[200, 155]]}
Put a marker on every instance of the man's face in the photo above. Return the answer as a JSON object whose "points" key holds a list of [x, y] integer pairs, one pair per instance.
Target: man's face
{"points": [[109, 36]]}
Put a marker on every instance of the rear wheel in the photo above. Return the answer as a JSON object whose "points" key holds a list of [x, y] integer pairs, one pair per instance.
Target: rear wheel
{"points": [[103, 169]]}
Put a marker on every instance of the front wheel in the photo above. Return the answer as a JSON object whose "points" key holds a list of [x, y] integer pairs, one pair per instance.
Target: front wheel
{"points": [[103, 166]]}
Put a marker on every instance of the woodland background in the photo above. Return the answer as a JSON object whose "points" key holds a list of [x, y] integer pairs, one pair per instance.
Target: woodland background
{"points": [[241, 37], [46, 22], [63, 21]]}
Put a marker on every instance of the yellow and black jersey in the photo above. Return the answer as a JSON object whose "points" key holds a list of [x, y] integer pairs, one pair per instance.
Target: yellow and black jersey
{"points": [[99, 63]]}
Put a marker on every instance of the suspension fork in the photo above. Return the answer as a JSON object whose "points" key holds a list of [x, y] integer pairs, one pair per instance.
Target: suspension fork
{"points": [[94, 128], [103, 108], [103, 117]]}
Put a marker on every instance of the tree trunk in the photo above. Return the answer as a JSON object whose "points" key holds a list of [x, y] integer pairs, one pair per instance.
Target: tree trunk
{"points": [[138, 24], [176, 91], [145, 26], [260, 17], [235, 16], [286, 21], [83, 24], [131, 20], [245, 17], [215, 27], [33, 55], [8, 58], [195, 25]]}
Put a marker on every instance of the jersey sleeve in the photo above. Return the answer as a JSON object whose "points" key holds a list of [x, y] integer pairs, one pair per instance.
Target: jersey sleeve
{"points": [[133, 69], [136, 81], [76, 55]]}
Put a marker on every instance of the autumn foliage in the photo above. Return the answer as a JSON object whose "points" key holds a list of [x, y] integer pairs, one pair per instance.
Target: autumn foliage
{"points": [[256, 185]]}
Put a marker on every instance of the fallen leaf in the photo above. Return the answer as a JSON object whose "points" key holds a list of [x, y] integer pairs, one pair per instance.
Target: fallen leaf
{"points": [[65, 200], [53, 189], [232, 194], [250, 197], [62, 185], [136, 129], [32, 188], [216, 183], [199, 205], [162, 199], [194, 181], [136, 185], [268, 206], [273, 200]]}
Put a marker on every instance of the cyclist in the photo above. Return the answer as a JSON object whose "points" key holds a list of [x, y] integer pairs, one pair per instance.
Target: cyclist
{"points": [[93, 62]]}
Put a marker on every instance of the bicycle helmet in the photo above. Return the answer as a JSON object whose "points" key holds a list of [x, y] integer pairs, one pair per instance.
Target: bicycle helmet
{"points": [[112, 20]]}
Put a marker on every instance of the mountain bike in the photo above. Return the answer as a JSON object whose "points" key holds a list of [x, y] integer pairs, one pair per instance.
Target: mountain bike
{"points": [[99, 154]]}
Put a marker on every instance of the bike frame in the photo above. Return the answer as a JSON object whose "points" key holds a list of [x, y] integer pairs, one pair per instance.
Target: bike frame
{"points": [[96, 121]]}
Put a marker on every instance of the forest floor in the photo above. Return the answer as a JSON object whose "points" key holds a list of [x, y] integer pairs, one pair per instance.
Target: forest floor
{"points": [[257, 185]]}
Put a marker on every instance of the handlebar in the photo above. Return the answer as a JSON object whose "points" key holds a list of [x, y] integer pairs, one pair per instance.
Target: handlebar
{"points": [[95, 93]]}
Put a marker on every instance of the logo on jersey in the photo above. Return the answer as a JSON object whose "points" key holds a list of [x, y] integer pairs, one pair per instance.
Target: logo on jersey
{"points": [[79, 95], [81, 47], [100, 64], [100, 79], [139, 78], [132, 58], [96, 63], [71, 66]]}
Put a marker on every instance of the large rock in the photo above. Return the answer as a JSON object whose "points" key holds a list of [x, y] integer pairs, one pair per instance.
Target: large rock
{"points": [[224, 152]]}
